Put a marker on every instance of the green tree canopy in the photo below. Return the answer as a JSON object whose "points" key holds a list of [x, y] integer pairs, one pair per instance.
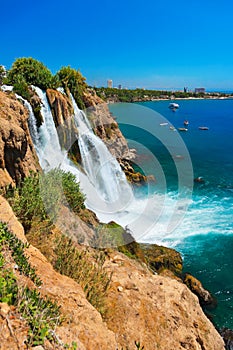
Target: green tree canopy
{"points": [[32, 72], [73, 80]]}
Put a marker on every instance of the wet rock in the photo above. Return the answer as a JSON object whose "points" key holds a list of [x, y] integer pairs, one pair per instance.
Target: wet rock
{"points": [[162, 258], [227, 335], [204, 296], [17, 154]]}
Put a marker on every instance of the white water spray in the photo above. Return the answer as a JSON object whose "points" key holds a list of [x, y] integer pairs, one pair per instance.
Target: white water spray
{"points": [[107, 192], [102, 169], [104, 184]]}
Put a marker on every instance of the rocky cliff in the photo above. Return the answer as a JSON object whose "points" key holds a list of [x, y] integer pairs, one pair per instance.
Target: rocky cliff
{"points": [[17, 154], [103, 125], [158, 312]]}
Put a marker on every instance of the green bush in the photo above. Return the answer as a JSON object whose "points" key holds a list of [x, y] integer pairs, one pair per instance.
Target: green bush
{"points": [[8, 287], [31, 71], [27, 202], [39, 197], [16, 247], [73, 80], [72, 192], [20, 87]]}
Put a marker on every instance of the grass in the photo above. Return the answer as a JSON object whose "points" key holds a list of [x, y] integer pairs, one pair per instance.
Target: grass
{"points": [[85, 269]]}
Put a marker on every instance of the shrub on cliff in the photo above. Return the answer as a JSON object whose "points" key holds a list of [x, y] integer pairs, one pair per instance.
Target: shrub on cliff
{"points": [[39, 197], [2, 74], [73, 80], [31, 72]]}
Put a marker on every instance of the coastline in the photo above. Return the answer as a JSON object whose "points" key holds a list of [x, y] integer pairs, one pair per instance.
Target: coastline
{"points": [[111, 101]]}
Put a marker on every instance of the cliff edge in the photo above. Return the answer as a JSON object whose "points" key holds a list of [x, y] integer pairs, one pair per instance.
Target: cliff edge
{"points": [[156, 311]]}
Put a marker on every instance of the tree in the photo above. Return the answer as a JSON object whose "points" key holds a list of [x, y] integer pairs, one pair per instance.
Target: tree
{"points": [[73, 80], [30, 71]]}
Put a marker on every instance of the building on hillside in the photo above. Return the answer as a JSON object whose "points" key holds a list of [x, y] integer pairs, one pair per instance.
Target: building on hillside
{"points": [[199, 90], [109, 83]]}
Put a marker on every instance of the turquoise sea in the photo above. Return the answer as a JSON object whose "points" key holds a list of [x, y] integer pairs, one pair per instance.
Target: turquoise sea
{"points": [[205, 236]]}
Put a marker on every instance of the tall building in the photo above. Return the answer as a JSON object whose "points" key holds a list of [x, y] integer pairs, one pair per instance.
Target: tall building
{"points": [[109, 83], [119, 86], [198, 90]]}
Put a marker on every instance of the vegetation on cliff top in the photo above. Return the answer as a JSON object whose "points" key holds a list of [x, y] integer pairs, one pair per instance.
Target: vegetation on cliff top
{"points": [[27, 71], [31, 72]]}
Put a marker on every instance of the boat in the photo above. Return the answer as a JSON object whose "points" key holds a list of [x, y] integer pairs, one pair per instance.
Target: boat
{"points": [[172, 128], [199, 179], [186, 122], [173, 105], [163, 124], [203, 128], [178, 156], [182, 129]]}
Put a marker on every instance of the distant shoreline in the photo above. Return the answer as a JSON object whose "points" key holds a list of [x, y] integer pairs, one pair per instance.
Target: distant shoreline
{"points": [[114, 95], [110, 101]]}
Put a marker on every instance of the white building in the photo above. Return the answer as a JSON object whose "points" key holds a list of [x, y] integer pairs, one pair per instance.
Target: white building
{"points": [[109, 83]]}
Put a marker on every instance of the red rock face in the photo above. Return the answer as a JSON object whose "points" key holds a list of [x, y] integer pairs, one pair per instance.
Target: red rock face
{"points": [[17, 154]]}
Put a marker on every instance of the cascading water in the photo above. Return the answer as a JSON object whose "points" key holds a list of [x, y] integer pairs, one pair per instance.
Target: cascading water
{"points": [[47, 143], [104, 183], [107, 192], [102, 169]]}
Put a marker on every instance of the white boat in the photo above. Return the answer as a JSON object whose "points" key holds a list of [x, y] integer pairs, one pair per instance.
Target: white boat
{"points": [[163, 124], [182, 129], [173, 105], [203, 128]]}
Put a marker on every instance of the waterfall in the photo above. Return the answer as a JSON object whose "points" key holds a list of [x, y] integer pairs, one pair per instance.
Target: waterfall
{"points": [[102, 169], [103, 183], [47, 142]]}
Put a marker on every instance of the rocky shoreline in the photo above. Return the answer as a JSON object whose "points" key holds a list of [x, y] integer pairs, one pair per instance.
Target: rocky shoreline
{"points": [[148, 299]]}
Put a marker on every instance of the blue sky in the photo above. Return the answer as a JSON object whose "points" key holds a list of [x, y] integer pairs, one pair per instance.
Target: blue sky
{"points": [[151, 44]]}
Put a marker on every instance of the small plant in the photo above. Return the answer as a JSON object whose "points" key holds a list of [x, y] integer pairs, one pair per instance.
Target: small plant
{"points": [[138, 345], [42, 315], [73, 346], [8, 287], [16, 247]]}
